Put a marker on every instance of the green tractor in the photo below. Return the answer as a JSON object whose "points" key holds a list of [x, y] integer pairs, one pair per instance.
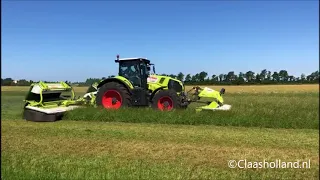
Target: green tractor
{"points": [[135, 85]]}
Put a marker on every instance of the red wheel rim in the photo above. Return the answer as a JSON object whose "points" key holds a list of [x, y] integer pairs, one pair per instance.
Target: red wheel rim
{"points": [[165, 103], [111, 100]]}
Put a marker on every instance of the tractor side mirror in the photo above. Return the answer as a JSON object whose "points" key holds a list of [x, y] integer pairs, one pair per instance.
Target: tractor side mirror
{"points": [[153, 69], [222, 91]]}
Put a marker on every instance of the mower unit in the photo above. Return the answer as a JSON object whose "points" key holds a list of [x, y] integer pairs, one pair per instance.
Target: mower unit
{"points": [[214, 99], [45, 102]]}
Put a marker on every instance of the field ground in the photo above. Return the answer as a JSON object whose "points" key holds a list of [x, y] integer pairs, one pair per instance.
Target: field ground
{"points": [[125, 144]]}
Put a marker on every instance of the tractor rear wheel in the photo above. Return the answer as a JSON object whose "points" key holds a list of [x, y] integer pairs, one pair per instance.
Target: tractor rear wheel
{"points": [[113, 95], [166, 100]]}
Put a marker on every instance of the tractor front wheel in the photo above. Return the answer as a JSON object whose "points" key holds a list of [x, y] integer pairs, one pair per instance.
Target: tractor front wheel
{"points": [[165, 100], [113, 96]]}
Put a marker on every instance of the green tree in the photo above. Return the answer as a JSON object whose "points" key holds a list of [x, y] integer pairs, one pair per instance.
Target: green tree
{"points": [[314, 76], [249, 76], [90, 81], [263, 74], [239, 79], [275, 76], [202, 75], [291, 78], [303, 77], [23, 82], [283, 74], [258, 78], [221, 77], [224, 77], [173, 76], [230, 76], [188, 78], [180, 76], [214, 78], [195, 78], [269, 75], [7, 82]]}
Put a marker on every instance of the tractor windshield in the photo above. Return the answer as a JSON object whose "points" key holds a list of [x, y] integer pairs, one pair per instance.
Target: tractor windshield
{"points": [[133, 71]]}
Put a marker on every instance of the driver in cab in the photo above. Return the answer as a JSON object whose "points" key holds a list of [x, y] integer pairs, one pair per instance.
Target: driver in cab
{"points": [[132, 74]]}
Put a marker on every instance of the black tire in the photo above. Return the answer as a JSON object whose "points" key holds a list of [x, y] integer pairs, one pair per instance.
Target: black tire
{"points": [[169, 95], [116, 87]]}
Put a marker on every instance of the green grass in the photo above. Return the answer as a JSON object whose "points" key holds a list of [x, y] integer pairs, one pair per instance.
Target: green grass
{"points": [[12, 104], [96, 144], [259, 110], [97, 150], [272, 110]]}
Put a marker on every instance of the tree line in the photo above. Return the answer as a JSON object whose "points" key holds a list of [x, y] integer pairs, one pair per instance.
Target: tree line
{"points": [[249, 77], [202, 78]]}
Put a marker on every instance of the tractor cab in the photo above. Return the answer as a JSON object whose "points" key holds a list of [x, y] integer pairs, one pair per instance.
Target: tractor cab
{"points": [[136, 70]]}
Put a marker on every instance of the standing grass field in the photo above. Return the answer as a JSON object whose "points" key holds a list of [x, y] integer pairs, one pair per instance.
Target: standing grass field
{"points": [[266, 123]]}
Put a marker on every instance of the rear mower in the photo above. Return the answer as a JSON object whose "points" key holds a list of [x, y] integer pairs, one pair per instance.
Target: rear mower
{"points": [[134, 86]]}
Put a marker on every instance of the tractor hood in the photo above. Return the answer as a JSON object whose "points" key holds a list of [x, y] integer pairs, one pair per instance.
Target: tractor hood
{"points": [[156, 81], [154, 78]]}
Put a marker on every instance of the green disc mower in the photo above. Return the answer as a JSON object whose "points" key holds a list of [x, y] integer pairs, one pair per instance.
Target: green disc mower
{"points": [[48, 101], [134, 86]]}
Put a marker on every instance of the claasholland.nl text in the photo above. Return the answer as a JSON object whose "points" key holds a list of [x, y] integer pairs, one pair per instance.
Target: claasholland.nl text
{"points": [[273, 164]]}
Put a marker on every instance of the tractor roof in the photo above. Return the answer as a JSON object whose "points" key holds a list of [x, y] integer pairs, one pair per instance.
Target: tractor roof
{"points": [[133, 59]]}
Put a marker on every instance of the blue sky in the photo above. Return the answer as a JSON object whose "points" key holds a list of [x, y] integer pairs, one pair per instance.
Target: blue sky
{"points": [[74, 40]]}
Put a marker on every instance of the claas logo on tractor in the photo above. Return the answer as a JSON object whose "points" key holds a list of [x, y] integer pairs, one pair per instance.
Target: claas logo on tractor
{"points": [[152, 79]]}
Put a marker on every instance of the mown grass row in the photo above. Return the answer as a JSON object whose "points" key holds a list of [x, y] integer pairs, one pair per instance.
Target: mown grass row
{"points": [[97, 150]]}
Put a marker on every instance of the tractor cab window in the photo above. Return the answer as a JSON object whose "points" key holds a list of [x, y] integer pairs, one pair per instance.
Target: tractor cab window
{"points": [[131, 71]]}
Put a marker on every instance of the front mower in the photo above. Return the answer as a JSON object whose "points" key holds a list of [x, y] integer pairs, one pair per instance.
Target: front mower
{"points": [[214, 99]]}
